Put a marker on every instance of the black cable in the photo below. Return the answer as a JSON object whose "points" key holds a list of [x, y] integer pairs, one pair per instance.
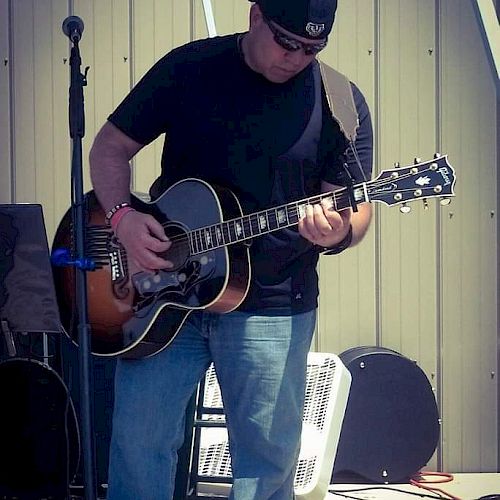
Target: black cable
{"points": [[355, 490], [345, 496]]}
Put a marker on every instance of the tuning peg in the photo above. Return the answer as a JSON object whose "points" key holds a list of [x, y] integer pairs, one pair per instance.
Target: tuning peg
{"points": [[405, 209], [426, 204], [395, 175], [417, 160], [437, 155], [444, 201]]}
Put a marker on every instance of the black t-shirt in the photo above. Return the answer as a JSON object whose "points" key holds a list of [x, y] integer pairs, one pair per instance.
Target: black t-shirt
{"points": [[228, 125]]}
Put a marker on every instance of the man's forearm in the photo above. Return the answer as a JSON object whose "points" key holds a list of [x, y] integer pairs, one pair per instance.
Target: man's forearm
{"points": [[110, 178], [360, 222], [109, 166]]}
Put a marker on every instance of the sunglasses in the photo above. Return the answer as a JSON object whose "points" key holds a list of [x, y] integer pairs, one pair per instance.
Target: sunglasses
{"points": [[291, 44]]}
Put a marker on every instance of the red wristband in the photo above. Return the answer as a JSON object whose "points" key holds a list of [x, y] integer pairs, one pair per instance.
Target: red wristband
{"points": [[113, 211], [117, 216]]}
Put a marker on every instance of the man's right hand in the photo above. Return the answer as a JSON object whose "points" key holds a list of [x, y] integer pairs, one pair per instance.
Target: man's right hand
{"points": [[144, 239]]}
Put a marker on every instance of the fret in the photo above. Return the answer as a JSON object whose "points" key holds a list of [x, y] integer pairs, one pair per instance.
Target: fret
{"points": [[219, 235], [199, 241], [213, 234], [342, 199], [239, 229], [225, 233], [195, 242], [207, 238], [192, 251], [280, 215], [330, 201], [301, 211], [247, 227], [231, 231], [287, 214], [272, 219], [254, 224], [263, 222], [334, 203], [338, 201], [202, 240], [293, 214]]}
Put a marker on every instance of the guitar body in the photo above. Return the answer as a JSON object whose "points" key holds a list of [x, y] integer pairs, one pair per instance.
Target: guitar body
{"points": [[137, 314]]}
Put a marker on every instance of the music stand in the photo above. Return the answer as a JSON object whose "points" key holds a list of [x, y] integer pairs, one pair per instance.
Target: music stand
{"points": [[38, 421], [28, 301]]}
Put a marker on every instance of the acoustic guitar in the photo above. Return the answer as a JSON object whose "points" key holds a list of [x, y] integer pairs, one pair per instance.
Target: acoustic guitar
{"points": [[136, 314]]}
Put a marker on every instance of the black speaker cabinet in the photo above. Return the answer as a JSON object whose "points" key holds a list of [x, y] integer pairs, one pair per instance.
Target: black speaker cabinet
{"points": [[391, 424]]}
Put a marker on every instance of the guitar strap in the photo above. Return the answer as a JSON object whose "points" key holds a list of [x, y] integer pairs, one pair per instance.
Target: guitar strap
{"points": [[340, 100]]}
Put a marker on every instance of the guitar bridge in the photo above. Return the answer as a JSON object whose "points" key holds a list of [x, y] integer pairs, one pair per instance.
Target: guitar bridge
{"points": [[117, 262]]}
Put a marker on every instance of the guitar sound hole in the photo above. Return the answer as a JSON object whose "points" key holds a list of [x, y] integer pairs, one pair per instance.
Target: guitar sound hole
{"points": [[180, 251]]}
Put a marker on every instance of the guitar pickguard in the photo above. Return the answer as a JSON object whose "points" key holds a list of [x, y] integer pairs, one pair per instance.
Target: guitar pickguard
{"points": [[182, 286]]}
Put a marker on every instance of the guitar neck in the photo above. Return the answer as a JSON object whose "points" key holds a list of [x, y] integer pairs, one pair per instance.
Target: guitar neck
{"points": [[269, 220]]}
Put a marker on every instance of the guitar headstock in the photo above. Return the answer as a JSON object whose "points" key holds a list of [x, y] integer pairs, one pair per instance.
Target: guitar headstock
{"points": [[421, 181]]}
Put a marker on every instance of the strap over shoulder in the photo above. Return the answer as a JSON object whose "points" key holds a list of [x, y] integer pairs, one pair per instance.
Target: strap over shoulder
{"points": [[341, 100]]}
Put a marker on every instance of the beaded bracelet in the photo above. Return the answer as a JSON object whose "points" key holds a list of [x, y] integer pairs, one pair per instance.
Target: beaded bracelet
{"points": [[113, 211], [118, 215]]}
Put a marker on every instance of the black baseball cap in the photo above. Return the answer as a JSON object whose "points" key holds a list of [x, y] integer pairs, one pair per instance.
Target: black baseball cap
{"points": [[311, 19]]}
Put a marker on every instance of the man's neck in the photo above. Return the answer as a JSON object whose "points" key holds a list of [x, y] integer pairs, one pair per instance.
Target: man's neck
{"points": [[244, 45]]}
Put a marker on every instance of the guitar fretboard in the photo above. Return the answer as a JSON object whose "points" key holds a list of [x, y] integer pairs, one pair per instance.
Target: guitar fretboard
{"points": [[266, 221]]}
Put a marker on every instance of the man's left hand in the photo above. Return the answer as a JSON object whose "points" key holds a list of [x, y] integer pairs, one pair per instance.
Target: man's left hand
{"points": [[323, 226]]}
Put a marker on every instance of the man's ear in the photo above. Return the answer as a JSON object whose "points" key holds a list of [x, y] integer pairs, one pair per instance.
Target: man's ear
{"points": [[255, 16]]}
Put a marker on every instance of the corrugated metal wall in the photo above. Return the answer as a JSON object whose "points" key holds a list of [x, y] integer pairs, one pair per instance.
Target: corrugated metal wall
{"points": [[468, 250], [424, 283]]}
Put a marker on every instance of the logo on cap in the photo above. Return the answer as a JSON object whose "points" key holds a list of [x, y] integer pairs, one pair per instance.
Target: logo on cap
{"points": [[315, 29]]}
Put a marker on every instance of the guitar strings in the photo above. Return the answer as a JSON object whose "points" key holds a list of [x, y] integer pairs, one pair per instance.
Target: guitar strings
{"points": [[99, 235], [341, 196]]}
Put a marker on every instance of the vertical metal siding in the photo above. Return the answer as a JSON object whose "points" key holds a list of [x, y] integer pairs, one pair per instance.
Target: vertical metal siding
{"points": [[469, 267], [104, 49], [23, 95], [407, 280], [5, 104], [230, 16], [347, 309], [157, 27], [61, 160], [408, 261]]}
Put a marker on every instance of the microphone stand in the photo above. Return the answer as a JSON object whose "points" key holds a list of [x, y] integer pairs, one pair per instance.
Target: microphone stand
{"points": [[81, 264]]}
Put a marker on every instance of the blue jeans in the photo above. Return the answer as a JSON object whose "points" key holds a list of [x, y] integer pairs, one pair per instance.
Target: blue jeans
{"points": [[261, 367]]}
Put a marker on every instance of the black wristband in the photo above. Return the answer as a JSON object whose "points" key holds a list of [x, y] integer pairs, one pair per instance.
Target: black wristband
{"points": [[340, 246]]}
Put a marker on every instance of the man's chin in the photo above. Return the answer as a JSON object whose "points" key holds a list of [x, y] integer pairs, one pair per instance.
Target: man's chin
{"points": [[279, 76]]}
